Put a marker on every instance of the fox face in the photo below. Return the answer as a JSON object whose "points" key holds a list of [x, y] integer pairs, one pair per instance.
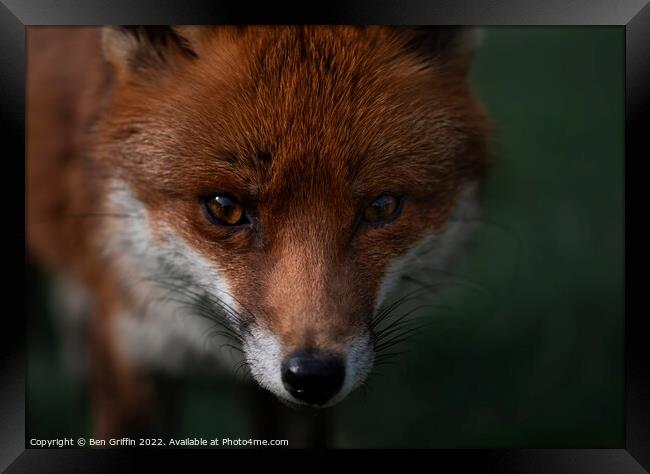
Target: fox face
{"points": [[282, 180]]}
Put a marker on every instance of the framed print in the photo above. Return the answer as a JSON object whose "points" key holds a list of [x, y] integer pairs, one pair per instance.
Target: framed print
{"points": [[366, 227]]}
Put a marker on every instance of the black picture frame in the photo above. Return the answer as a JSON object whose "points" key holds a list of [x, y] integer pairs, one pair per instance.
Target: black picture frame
{"points": [[15, 15]]}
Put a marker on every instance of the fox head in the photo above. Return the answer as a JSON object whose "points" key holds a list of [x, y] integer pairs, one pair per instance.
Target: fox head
{"points": [[286, 177]]}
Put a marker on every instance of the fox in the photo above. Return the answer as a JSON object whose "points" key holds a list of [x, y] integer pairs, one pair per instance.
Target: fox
{"points": [[269, 185]]}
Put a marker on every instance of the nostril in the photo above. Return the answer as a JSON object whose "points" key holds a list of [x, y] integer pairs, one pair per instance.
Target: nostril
{"points": [[313, 377]]}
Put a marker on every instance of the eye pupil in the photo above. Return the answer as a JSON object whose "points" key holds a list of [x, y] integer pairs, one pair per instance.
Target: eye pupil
{"points": [[225, 210], [382, 208]]}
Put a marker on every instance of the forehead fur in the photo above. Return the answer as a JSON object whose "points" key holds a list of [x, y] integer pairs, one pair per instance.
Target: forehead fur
{"points": [[350, 103]]}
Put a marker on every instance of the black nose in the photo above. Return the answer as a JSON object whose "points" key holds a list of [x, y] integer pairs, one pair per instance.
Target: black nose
{"points": [[313, 377]]}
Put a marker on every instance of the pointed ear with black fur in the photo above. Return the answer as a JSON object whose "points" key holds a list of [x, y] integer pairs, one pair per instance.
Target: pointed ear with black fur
{"points": [[144, 49], [449, 44]]}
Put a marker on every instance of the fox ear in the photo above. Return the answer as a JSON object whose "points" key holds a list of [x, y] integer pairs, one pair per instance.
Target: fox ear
{"points": [[447, 43], [141, 49]]}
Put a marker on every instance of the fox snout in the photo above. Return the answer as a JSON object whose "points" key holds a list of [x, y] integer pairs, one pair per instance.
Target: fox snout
{"points": [[308, 376], [311, 354], [308, 339]]}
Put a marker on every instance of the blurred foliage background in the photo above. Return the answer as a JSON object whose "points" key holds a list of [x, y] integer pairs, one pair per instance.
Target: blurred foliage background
{"points": [[527, 350]]}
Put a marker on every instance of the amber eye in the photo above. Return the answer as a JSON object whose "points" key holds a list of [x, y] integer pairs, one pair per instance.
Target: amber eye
{"points": [[384, 208], [224, 210]]}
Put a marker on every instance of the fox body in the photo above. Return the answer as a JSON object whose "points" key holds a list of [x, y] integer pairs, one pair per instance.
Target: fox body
{"points": [[274, 182]]}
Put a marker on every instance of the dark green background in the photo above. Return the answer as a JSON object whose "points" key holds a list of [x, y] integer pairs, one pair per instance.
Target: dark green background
{"points": [[527, 351]]}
